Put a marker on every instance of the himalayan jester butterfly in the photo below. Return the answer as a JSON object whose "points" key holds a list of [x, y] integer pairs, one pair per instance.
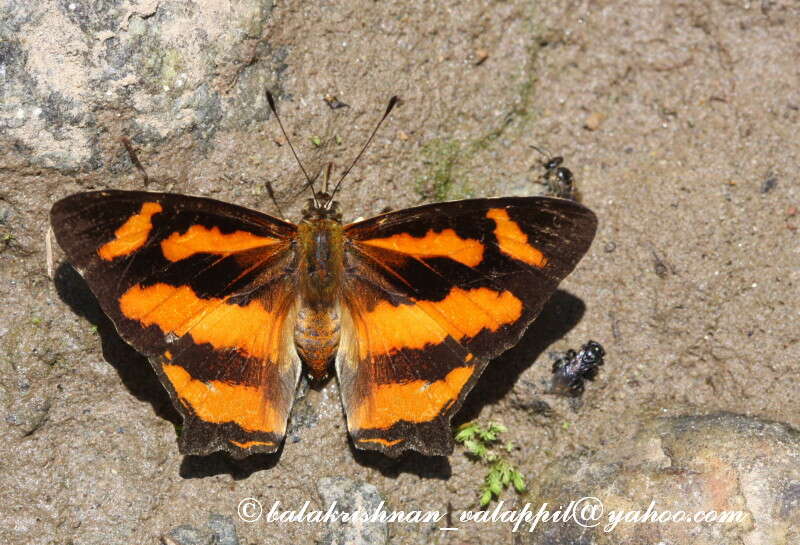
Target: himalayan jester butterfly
{"points": [[407, 307]]}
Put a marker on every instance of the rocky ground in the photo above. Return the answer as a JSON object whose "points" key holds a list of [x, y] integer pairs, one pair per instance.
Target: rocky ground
{"points": [[680, 123]]}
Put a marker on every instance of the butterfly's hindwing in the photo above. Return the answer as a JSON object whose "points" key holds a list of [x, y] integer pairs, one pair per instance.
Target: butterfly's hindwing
{"points": [[431, 295], [203, 288]]}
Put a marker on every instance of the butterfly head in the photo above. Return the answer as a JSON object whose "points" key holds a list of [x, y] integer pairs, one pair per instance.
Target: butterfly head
{"points": [[321, 207]]}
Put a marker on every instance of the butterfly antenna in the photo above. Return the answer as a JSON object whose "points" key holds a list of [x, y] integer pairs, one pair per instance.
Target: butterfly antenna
{"points": [[392, 103], [309, 181]]}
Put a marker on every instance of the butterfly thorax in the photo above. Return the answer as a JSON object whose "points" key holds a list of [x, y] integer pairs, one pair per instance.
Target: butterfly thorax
{"points": [[320, 272]]}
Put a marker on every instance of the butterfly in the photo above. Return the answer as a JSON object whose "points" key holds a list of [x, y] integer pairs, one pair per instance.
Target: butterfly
{"points": [[406, 308]]}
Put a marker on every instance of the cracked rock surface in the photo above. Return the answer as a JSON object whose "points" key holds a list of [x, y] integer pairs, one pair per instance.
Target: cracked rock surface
{"points": [[678, 119], [709, 464]]}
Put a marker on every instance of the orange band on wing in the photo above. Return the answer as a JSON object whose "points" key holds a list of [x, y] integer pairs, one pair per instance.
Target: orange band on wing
{"points": [[434, 244], [200, 240], [250, 444], [415, 401], [384, 442], [220, 402], [513, 241], [462, 314], [132, 234], [222, 325]]}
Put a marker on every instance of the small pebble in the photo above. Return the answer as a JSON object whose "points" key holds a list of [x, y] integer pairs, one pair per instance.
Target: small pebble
{"points": [[594, 120]]}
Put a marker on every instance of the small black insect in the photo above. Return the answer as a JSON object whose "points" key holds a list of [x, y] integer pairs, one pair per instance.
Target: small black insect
{"points": [[559, 179], [573, 368]]}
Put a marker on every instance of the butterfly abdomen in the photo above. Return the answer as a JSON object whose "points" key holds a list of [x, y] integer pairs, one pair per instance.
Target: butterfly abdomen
{"points": [[316, 332], [316, 335]]}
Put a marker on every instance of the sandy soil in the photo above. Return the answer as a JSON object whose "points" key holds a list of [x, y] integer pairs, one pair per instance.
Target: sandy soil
{"points": [[679, 120]]}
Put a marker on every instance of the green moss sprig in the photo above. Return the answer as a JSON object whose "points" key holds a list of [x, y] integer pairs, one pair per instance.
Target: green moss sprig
{"points": [[482, 443]]}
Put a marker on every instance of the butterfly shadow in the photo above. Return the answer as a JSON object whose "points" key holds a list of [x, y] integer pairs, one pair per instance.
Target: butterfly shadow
{"points": [[427, 467], [218, 463], [139, 378], [560, 314], [133, 369]]}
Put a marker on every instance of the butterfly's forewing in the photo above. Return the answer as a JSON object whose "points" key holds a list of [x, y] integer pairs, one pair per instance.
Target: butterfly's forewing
{"points": [[431, 295], [203, 289]]}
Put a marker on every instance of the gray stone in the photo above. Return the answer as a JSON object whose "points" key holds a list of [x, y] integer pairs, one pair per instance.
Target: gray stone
{"points": [[224, 530], [29, 414], [168, 65], [351, 495], [714, 463], [188, 535], [219, 530]]}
